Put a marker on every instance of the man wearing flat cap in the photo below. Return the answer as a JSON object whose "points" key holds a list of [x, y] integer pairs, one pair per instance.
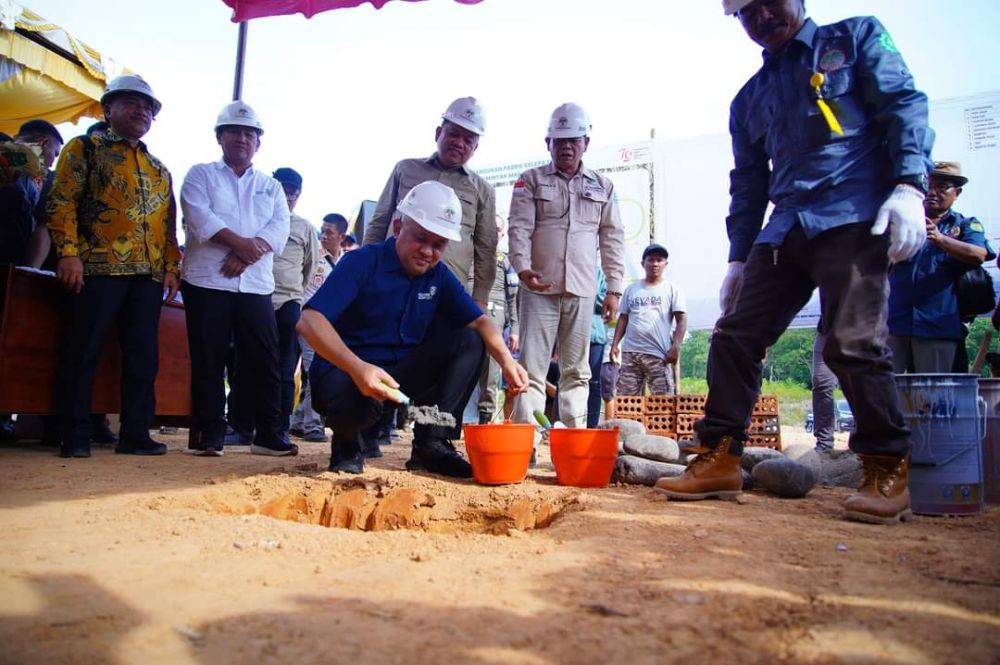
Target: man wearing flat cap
{"points": [[925, 327]]}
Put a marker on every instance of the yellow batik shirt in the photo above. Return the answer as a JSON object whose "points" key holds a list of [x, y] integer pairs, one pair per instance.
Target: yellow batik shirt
{"points": [[113, 206]]}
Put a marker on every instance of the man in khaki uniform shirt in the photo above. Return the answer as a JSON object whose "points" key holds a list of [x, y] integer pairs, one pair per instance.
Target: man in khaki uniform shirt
{"points": [[560, 215], [457, 139]]}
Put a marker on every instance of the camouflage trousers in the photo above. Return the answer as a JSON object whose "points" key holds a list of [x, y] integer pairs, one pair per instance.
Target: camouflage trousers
{"points": [[640, 370]]}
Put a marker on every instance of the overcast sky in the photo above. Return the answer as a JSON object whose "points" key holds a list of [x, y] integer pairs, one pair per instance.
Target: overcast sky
{"points": [[346, 94]]}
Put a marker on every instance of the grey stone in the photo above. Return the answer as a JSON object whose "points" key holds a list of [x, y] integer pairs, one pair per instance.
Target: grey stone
{"points": [[840, 468], [752, 455], [639, 471], [431, 415], [650, 446], [686, 444], [806, 455], [784, 477], [626, 428], [747, 480]]}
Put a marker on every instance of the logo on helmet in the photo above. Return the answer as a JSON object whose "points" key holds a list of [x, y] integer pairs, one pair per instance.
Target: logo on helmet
{"points": [[449, 213], [563, 121]]}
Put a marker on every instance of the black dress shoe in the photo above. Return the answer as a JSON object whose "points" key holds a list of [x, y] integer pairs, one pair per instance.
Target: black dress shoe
{"points": [[355, 464], [438, 456], [74, 451], [141, 447]]}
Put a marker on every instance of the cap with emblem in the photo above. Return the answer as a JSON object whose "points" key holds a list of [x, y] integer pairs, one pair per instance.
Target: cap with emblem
{"points": [[949, 171], [466, 112], [733, 6], [569, 121], [434, 206], [240, 115]]}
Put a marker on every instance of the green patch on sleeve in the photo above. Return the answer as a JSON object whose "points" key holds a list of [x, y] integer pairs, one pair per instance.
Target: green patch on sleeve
{"points": [[885, 41]]}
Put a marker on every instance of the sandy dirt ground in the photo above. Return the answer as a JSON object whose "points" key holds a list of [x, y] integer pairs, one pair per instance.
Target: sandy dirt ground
{"points": [[181, 559]]}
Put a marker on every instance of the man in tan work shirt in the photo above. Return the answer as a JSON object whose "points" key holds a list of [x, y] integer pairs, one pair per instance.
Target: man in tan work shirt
{"points": [[560, 215], [457, 139]]}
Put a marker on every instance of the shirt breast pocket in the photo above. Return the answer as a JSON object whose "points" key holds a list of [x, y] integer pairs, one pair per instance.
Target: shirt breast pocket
{"points": [[840, 89], [263, 209], [592, 203], [548, 205]]}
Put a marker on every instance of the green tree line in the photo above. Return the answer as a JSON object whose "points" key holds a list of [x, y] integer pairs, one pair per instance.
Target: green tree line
{"points": [[790, 359]]}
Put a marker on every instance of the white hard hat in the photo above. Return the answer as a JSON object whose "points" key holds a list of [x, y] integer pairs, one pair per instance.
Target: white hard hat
{"points": [[733, 6], [569, 121], [466, 112], [434, 206], [130, 83], [238, 113]]}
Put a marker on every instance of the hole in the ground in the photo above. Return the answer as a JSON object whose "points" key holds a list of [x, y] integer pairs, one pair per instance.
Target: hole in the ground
{"points": [[379, 505]]}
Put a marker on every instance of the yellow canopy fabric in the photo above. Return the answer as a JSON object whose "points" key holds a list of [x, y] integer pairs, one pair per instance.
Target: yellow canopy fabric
{"points": [[42, 82]]}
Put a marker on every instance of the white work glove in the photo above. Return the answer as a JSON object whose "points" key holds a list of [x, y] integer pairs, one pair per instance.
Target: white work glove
{"points": [[903, 213], [731, 284]]}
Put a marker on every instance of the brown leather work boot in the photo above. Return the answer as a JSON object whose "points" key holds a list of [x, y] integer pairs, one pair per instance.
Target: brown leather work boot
{"points": [[714, 473], [883, 497]]}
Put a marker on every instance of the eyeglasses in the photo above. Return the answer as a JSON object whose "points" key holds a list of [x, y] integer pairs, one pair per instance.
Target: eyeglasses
{"points": [[941, 186], [756, 6]]}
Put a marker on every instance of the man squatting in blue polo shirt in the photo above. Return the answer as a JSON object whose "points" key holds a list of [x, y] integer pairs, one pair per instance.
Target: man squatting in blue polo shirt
{"points": [[391, 317]]}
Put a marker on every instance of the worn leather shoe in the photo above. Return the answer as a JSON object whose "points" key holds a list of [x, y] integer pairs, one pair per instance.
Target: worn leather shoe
{"points": [[713, 473], [883, 497], [438, 456]]}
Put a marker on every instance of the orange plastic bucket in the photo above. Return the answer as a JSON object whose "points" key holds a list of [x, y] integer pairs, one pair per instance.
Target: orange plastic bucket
{"points": [[584, 457], [499, 454]]}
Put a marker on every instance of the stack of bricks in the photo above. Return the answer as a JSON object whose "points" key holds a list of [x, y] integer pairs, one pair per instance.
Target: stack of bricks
{"points": [[674, 416]]}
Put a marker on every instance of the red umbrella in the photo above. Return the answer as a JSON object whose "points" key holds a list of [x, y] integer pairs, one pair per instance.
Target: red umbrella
{"points": [[244, 10]]}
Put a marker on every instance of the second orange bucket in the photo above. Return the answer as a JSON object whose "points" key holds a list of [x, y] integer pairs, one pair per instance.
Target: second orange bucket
{"points": [[499, 454], [584, 457]]}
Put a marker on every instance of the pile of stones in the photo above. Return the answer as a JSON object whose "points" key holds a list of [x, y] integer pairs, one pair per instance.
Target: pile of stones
{"points": [[645, 458]]}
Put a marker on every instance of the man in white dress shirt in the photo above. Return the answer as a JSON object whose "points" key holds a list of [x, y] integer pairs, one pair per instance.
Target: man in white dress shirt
{"points": [[237, 220]]}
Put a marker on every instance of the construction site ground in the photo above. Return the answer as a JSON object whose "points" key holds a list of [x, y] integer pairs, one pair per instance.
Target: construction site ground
{"points": [[248, 559]]}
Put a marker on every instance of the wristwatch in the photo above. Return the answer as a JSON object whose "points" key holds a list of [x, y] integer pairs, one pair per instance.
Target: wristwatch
{"points": [[617, 294], [918, 180]]}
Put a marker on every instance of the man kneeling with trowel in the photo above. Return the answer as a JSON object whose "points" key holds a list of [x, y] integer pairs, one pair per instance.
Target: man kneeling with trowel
{"points": [[391, 322]]}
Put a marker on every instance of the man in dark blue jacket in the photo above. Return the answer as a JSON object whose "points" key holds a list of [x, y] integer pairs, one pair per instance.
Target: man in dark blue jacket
{"points": [[925, 327], [831, 131]]}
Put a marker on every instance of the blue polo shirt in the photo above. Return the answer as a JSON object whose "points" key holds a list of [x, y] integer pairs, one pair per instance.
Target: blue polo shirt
{"points": [[382, 313], [786, 153], [923, 300]]}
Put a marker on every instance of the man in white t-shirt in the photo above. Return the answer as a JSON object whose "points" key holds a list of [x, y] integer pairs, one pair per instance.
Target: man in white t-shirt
{"points": [[647, 313]]}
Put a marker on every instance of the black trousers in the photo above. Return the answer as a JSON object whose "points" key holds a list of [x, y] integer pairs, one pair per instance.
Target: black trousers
{"points": [[442, 370], [849, 266], [239, 408], [215, 317], [132, 303]]}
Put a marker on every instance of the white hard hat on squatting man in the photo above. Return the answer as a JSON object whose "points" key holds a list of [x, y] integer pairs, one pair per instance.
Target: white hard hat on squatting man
{"points": [[569, 121], [435, 207], [239, 114], [733, 6], [130, 83], [466, 112]]}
